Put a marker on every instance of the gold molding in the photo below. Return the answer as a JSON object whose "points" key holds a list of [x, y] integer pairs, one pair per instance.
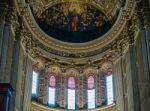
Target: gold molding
{"points": [[39, 107], [80, 47]]}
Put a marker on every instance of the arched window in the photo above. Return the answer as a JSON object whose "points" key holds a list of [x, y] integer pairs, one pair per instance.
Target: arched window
{"points": [[91, 92], [51, 91], [34, 83], [52, 81], [71, 93], [109, 86]]}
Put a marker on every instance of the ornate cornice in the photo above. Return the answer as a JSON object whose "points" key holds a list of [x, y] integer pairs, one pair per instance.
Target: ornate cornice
{"points": [[30, 45], [109, 52], [76, 48], [36, 106], [109, 47]]}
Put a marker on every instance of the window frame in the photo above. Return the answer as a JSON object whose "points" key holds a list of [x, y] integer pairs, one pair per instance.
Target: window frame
{"points": [[52, 87], [109, 102], [37, 79], [90, 89], [73, 89]]}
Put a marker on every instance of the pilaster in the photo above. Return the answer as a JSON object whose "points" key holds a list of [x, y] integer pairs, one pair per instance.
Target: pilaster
{"points": [[119, 85], [28, 86], [133, 70], [15, 76], [4, 46], [3, 11]]}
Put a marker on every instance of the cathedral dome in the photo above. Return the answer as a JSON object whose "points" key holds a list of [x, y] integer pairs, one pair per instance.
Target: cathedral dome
{"points": [[75, 25], [74, 41], [75, 55], [74, 22]]}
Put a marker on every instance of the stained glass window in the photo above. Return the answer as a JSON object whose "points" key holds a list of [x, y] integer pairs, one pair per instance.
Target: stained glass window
{"points": [[34, 83], [91, 92], [71, 99], [91, 98], [110, 95], [71, 82], [71, 93], [52, 81], [51, 90], [51, 93], [90, 82]]}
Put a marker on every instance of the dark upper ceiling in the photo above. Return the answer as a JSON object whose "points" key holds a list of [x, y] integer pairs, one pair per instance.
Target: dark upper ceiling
{"points": [[73, 21]]}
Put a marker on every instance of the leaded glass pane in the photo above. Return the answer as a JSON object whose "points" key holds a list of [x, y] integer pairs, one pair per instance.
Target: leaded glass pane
{"points": [[110, 95]]}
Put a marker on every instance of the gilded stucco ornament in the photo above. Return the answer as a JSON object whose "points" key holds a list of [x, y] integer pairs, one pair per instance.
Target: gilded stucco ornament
{"points": [[107, 47], [74, 48], [36, 106], [29, 45], [106, 6], [106, 67]]}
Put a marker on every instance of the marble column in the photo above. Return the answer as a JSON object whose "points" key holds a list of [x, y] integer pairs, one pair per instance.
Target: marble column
{"points": [[15, 75], [4, 46], [2, 22], [28, 86], [3, 10], [143, 54], [118, 84], [5, 96], [147, 38], [143, 51], [134, 75]]}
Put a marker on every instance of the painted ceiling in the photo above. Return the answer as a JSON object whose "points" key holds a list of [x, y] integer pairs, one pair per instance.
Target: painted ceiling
{"points": [[74, 22]]}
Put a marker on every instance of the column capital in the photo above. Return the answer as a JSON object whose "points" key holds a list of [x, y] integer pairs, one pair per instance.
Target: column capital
{"points": [[143, 13], [8, 16], [130, 33], [19, 29], [3, 10]]}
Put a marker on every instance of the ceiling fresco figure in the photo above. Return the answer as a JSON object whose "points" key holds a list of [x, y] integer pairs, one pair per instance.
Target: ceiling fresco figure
{"points": [[75, 22]]}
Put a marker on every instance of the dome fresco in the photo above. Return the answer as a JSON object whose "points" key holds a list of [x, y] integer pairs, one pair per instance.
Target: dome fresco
{"points": [[75, 55], [73, 22]]}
